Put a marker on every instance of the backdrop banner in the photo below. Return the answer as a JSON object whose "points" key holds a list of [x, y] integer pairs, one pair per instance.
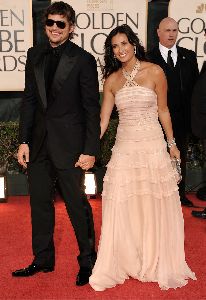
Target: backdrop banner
{"points": [[16, 37], [96, 18], [191, 17]]}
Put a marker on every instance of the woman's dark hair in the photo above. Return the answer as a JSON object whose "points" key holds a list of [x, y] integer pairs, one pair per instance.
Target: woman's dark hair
{"points": [[111, 64], [63, 9]]}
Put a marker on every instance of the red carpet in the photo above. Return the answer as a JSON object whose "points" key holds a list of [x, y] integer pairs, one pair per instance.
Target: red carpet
{"points": [[15, 245]]}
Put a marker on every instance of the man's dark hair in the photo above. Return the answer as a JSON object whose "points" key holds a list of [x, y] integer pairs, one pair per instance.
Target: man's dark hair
{"points": [[63, 9]]}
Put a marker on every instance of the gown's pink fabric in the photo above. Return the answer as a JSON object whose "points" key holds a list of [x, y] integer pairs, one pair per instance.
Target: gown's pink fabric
{"points": [[142, 232]]}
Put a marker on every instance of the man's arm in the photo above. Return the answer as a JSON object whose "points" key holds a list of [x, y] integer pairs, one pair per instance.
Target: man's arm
{"points": [[26, 114], [89, 86], [90, 100]]}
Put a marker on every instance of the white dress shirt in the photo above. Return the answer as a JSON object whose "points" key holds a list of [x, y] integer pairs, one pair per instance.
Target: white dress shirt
{"points": [[164, 53]]}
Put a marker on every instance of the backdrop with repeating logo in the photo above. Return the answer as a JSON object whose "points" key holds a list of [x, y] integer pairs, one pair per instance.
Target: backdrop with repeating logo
{"points": [[191, 18], [96, 18], [16, 36]]}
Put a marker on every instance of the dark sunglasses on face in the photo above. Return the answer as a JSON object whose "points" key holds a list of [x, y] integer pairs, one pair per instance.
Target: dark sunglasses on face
{"points": [[60, 24]]}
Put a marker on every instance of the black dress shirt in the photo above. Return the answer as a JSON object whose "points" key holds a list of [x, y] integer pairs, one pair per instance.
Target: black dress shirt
{"points": [[52, 60]]}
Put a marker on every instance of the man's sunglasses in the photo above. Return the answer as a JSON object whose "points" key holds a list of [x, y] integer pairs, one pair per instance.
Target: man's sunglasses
{"points": [[60, 24]]}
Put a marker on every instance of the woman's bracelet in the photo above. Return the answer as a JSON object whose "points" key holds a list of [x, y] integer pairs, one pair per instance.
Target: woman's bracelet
{"points": [[171, 143]]}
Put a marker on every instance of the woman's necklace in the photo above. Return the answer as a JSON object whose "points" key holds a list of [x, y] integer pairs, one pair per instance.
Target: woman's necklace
{"points": [[136, 67], [135, 70]]}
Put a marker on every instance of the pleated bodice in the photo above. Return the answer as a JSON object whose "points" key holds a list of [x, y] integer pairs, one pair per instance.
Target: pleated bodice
{"points": [[138, 116]]}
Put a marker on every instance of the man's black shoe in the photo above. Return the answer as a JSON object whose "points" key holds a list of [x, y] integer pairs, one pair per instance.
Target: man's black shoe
{"points": [[83, 276], [186, 202], [199, 214], [31, 270]]}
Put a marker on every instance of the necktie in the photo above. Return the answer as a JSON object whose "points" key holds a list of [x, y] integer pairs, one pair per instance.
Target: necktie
{"points": [[170, 60]]}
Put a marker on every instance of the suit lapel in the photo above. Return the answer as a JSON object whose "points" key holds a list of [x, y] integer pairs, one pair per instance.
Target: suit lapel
{"points": [[162, 62], [180, 56], [39, 68], [64, 68], [180, 61], [159, 59]]}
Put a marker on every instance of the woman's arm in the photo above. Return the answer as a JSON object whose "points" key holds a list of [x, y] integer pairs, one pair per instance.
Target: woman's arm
{"points": [[107, 106], [163, 111]]}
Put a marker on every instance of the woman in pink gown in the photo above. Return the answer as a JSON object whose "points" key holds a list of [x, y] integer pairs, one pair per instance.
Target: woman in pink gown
{"points": [[142, 232]]}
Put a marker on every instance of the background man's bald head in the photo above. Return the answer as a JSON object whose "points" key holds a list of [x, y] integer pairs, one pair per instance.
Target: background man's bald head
{"points": [[164, 22], [167, 32]]}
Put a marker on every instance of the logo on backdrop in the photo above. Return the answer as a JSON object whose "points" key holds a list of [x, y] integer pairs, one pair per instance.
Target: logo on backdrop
{"points": [[96, 18], [192, 22], [201, 8], [100, 5], [11, 40], [15, 39]]}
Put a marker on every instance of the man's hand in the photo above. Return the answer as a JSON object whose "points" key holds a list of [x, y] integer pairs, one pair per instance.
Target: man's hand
{"points": [[23, 155], [85, 162]]}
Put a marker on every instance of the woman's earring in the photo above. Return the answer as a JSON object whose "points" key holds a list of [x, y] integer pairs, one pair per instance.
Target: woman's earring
{"points": [[135, 50], [114, 61]]}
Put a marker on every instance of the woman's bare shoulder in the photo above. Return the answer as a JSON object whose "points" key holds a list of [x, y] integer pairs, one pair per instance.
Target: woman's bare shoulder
{"points": [[151, 67], [112, 79]]}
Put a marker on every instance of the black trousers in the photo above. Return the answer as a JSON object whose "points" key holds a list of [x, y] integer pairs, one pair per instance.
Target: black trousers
{"points": [[42, 175]]}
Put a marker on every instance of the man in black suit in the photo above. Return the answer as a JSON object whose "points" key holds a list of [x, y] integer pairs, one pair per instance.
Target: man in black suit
{"points": [[198, 118], [181, 69], [59, 138]]}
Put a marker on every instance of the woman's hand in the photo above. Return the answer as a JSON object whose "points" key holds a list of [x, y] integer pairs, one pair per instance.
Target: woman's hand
{"points": [[174, 152], [85, 162]]}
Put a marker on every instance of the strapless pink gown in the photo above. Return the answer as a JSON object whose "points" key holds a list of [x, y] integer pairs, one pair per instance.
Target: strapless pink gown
{"points": [[142, 233]]}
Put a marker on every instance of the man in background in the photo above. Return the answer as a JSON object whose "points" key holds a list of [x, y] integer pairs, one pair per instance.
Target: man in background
{"points": [[181, 70], [198, 118]]}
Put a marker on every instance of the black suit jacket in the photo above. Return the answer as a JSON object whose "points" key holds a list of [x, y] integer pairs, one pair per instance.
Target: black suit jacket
{"points": [[198, 111], [179, 106], [72, 121]]}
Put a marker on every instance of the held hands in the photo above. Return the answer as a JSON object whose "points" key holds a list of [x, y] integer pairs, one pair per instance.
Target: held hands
{"points": [[23, 155], [85, 162]]}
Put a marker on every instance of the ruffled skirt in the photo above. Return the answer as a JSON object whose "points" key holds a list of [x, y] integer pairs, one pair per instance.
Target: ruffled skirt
{"points": [[142, 232]]}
